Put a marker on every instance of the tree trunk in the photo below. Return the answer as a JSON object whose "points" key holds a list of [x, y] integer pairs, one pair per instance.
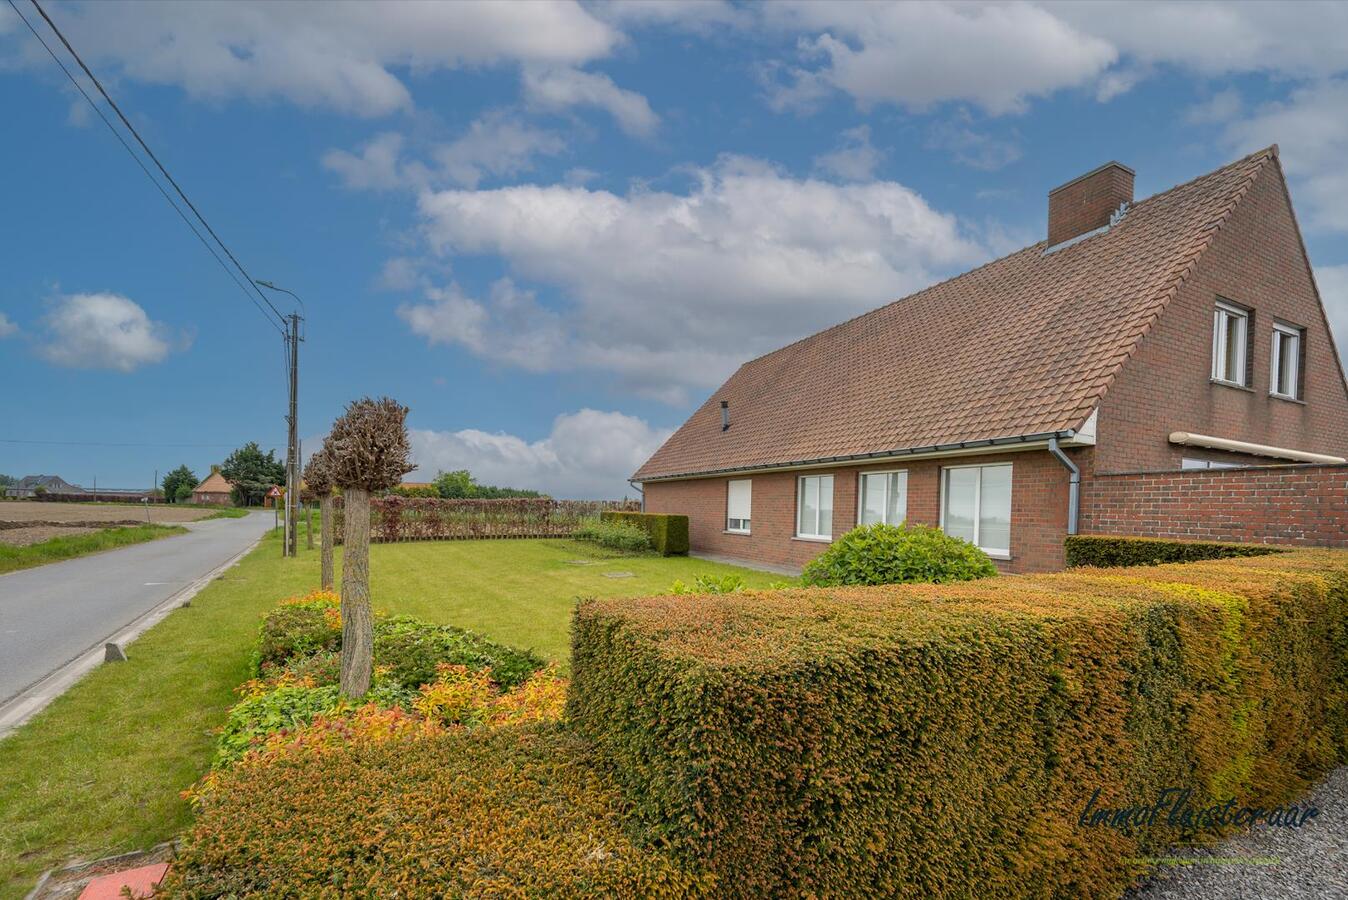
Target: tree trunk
{"points": [[309, 523], [325, 538], [357, 618]]}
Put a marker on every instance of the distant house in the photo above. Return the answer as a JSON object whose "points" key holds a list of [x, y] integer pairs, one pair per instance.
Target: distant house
{"points": [[27, 486], [1160, 368], [215, 489]]}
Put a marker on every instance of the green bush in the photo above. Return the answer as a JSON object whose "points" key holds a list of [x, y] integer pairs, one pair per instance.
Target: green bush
{"points": [[407, 651], [614, 535], [253, 718], [296, 630], [668, 533], [943, 740], [1105, 551], [897, 554], [509, 812]]}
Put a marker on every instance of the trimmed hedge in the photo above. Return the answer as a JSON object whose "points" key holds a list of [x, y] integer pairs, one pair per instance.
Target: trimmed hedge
{"points": [[669, 533], [942, 740], [510, 812], [1108, 551]]}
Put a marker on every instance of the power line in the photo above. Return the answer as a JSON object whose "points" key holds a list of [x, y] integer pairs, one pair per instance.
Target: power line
{"points": [[121, 140]]}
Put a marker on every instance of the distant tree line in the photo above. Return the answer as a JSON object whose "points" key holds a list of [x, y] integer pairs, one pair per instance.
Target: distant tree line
{"points": [[460, 485]]}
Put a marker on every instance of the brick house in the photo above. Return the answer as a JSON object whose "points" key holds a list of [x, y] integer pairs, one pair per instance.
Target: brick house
{"points": [[215, 489], [1154, 367]]}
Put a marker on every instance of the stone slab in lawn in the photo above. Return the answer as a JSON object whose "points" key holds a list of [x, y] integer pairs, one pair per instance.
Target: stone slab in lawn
{"points": [[620, 574]]}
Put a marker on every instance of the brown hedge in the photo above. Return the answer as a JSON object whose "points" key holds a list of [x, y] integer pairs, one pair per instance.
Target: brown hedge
{"points": [[394, 518], [508, 812], [1107, 551], [942, 740]]}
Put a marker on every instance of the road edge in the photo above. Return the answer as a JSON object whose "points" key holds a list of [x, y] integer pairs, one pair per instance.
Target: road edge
{"points": [[30, 701]]}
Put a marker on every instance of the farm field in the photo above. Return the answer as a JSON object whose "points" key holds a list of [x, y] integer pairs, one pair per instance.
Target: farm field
{"points": [[45, 521]]}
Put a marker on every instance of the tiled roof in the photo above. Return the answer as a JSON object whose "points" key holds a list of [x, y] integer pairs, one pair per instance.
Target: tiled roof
{"points": [[215, 483], [1024, 345]]}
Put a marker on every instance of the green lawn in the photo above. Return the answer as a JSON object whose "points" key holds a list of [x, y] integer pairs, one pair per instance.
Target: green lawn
{"points": [[70, 546], [100, 770]]}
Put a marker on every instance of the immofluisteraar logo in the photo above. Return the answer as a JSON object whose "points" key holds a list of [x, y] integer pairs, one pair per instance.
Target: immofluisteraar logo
{"points": [[1175, 807]]}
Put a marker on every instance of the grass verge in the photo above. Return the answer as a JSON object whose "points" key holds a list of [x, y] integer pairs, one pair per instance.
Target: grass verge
{"points": [[71, 546], [230, 512], [100, 770]]}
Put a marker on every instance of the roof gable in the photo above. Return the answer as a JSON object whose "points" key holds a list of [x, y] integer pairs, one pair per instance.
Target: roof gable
{"points": [[215, 483], [1026, 344]]}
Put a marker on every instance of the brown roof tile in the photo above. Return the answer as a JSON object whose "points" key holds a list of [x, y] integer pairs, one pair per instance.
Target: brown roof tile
{"points": [[1026, 344], [214, 483]]}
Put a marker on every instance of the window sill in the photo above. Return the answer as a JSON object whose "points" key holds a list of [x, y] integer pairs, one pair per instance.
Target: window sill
{"points": [[1287, 399], [733, 531], [1230, 384], [1004, 557], [812, 539]]}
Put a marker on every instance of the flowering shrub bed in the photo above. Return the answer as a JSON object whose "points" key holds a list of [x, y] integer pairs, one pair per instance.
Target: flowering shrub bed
{"points": [[396, 518], [945, 739]]}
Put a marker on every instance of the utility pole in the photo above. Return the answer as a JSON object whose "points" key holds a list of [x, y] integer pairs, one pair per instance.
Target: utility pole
{"points": [[293, 450]]}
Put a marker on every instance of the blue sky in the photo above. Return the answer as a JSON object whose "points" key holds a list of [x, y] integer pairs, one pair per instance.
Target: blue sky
{"points": [[552, 229]]}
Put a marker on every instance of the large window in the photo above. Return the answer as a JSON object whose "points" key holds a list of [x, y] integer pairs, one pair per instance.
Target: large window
{"points": [[814, 507], [884, 498], [1284, 377], [976, 506], [1230, 343], [739, 500]]}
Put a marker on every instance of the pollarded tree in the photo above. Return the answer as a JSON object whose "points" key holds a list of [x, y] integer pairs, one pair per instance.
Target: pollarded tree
{"points": [[318, 479], [369, 451]]}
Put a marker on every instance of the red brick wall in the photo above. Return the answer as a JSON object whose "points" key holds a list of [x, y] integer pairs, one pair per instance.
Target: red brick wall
{"points": [[1256, 261], [1277, 505], [1038, 509]]}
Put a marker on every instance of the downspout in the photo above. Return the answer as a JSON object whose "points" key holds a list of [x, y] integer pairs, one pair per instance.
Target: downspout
{"points": [[1073, 484], [639, 491]]}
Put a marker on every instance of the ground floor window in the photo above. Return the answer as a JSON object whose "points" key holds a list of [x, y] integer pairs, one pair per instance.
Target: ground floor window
{"points": [[884, 498], [814, 506], [739, 500], [976, 506]]}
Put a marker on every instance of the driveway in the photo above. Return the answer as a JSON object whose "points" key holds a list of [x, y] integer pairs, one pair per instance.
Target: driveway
{"points": [[55, 614]]}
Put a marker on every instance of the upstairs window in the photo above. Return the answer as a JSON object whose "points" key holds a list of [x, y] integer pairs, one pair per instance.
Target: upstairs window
{"points": [[1230, 343], [1285, 362], [814, 507], [739, 500], [976, 506], [884, 498]]}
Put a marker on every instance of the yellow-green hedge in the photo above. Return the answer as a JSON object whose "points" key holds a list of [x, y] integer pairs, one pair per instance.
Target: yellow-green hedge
{"points": [[506, 812], [1111, 551], [669, 533], [942, 740]]}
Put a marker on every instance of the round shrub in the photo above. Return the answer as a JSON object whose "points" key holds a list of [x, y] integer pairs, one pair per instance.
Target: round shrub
{"points": [[897, 554], [296, 630], [509, 812]]}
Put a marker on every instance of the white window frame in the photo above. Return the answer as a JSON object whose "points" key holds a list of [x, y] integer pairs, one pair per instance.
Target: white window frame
{"points": [[1189, 462], [800, 494], [747, 522], [1281, 331], [1222, 317], [861, 492], [994, 552]]}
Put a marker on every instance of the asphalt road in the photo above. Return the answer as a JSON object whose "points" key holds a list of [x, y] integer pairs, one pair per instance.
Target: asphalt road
{"points": [[53, 614]]}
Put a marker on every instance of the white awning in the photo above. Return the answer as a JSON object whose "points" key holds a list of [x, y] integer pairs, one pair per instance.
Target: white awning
{"points": [[1189, 439]]}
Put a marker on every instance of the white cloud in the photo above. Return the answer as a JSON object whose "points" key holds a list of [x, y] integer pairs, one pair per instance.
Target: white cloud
{"points": [[1333, 284], [495, 145], [7, 328], [854, 159], [588, 454], [338, 56], [971, 147], [511, 327], [559, 89], [104, 331], [671, 290], [916, 55]]}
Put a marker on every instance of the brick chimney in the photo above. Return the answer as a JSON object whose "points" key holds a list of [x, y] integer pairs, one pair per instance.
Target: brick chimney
{"points": [[1086, 203]]}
